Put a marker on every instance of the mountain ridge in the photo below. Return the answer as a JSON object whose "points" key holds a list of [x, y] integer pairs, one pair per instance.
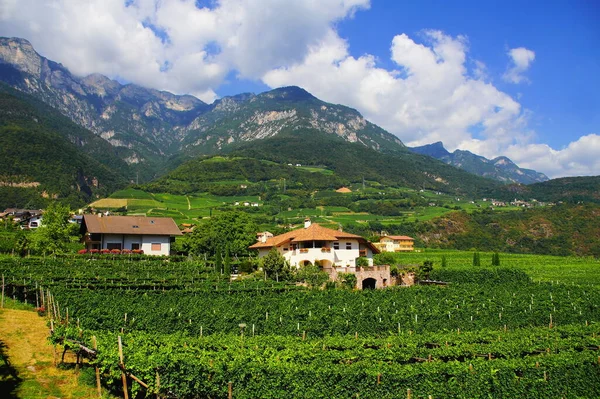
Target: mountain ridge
{"points": [[500, 168], [155, 131]]}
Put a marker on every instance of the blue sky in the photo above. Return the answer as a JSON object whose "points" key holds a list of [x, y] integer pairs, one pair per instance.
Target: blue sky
{"points": [[498, 78]]}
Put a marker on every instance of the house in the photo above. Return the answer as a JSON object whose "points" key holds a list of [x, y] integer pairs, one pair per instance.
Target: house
{"points": [[151, 235], [396, 244], [21, 215], [34, 222], [263, 236], [334, 250]]}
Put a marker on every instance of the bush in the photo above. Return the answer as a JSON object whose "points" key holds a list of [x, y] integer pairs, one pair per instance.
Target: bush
{"points": [[348, 280], [384, 258]]}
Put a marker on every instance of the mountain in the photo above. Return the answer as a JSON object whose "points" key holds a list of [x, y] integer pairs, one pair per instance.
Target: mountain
{"points": [[500, 168], [235, 120], [139, 121], [156, 130], [44, 155]]}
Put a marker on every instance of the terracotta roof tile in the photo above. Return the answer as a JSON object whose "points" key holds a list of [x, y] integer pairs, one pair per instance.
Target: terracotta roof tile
{"points": [[314, 232]]}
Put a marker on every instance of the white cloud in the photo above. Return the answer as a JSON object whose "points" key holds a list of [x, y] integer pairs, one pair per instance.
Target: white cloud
{"points": [[436, 92], [430, 97], [173, 45], [579, 158], [521, 59]]}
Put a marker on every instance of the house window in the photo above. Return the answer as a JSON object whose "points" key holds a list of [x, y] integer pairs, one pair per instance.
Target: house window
{"points": [[348, 245], [155, 246], [113, 245], [336, 245], [285, 248], [135, 245]]}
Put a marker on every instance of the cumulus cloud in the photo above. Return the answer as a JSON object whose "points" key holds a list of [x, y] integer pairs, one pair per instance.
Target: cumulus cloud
{"points": [[579, 158], [431, 96], [521, 59], [173, 45], [435, 91]]}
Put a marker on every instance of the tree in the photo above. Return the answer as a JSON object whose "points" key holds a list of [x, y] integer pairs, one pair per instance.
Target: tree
{"points": [[56, 233], [444, 261], [362, 262], [425, 269], [495, 259], [274, 264], [476, 259], [218, 262], [312, 275], [227, 262], [236, 229]]}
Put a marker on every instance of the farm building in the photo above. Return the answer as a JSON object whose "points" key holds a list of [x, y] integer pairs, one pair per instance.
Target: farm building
{"points": [[396, 244], [334, 250], [151, 235]]}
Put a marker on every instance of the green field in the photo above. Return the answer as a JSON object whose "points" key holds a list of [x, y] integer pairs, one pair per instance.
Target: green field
{"points": [[541, 268]]}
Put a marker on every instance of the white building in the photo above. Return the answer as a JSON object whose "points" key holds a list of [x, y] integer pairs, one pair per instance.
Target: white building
{"points": [[313, 243], [151, 235]]}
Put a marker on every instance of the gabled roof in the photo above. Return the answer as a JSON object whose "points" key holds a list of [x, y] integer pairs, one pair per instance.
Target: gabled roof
{"points": [[399, 237], [314, 232], [130, 225]]}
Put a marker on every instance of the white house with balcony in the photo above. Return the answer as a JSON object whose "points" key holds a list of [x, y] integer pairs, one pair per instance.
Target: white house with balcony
{"points": [[335, 250]]}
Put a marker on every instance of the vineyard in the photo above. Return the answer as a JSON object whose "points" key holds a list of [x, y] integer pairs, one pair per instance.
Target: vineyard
{"points": [[188, 332]]}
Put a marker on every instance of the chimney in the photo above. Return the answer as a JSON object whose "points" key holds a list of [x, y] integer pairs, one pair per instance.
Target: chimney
{"points": [[340, 227], [306, 223]]}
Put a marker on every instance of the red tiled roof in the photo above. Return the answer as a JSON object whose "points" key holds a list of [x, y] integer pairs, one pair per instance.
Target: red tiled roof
{"points": [[131, 225], [314, 232]]}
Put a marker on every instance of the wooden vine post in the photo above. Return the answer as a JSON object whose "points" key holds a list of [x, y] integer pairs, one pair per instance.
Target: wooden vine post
{"points": [[230, 390], [98, 386], [2, 292], [122, 365]]}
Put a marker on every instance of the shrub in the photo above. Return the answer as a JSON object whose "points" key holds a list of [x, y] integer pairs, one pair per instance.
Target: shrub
{"points": [[82, 251], [348, 280]]}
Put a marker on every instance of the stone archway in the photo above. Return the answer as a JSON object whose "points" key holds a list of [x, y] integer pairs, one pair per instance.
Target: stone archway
{"points": [[305, 263], [369, 284]]}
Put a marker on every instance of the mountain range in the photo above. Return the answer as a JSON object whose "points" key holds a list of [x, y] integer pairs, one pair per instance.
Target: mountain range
{"points": [[139, 134], [500, 168]]}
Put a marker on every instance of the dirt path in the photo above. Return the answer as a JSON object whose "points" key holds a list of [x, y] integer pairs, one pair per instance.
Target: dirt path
{"points": [[23, 335]]}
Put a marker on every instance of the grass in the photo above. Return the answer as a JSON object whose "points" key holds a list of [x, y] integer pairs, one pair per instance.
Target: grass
{"points": [[544, 268], [31, 372], [193, 207]]}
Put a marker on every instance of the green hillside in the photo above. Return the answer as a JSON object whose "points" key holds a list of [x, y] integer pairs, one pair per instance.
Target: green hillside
{"points": [[553, 230], [355, 163], [571, 189], [44, 155]]}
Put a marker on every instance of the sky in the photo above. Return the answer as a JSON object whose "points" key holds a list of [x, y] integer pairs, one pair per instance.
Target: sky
{"points": [[512, 78]]}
